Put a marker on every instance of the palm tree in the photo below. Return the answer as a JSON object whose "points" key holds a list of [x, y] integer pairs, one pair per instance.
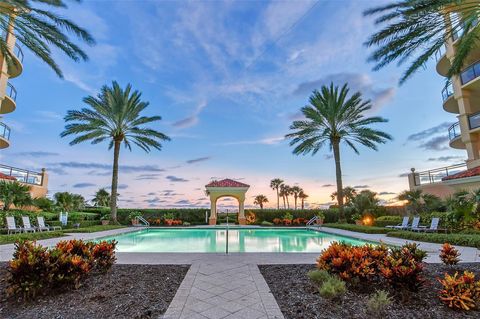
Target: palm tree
{"points": [[260, 200], [14, 193], [413, 198], [275, 185], [331, 118], [349, 194], [295, 191], [69, 202], [415, 30], [303, 197], [102, 198], [283, 193], [40, 30], [287, 191], [114, 116]]}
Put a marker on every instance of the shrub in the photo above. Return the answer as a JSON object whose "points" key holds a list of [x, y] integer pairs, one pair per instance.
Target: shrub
{"points": [[67, 269], [332, 288], [449, 255], [377, 304], [319, 276], [352, 262], [29, 269], [103, 254], [470, 240], [186, 224], [460, 293], [383, 221], [403, 267], [277, 221], [265, 223], [359, 228]]}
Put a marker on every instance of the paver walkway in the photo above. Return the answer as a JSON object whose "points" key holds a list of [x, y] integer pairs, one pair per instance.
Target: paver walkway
{"points": [[229, 290]]}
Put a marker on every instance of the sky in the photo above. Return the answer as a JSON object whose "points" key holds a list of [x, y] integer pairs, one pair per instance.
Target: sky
{"points": [[228, 78]]}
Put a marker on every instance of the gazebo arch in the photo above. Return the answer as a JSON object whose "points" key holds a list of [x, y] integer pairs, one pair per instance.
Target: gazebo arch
{"points": [[223, 188]]}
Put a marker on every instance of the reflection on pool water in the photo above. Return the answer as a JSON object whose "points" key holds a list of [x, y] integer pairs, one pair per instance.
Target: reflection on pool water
{"points": [[214, 240]]}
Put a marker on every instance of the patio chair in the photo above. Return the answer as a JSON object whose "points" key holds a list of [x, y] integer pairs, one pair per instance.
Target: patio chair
{"points": [[26, 225], [42, 226], [403, 225], [11, 226], [415, 223], [433, 226]]}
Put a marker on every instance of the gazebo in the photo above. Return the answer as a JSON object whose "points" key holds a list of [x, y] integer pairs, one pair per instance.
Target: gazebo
{"points": [[226, 188]]}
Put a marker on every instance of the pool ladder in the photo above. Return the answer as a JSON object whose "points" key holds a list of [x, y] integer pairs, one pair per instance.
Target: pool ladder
{"points": [[311, 222], [144, 221]]}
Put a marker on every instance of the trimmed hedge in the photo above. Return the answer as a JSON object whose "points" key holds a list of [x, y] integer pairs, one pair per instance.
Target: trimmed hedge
{"points": [[470, 240], [8, 239], [383, 221], [359, 228]]}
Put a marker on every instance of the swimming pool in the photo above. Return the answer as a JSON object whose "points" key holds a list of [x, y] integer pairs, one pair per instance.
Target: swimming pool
{"points": [[214, 240]]}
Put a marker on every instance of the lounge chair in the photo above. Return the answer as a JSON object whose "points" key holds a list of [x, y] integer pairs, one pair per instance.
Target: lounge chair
{"points": [[11, 226], [433, 226], [415, 222], [42, 226], [403, 225], [26, 225]]}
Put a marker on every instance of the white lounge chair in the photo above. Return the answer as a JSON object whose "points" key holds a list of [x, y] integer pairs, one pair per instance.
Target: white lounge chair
{"points": [[26, 225], [433, 226], [403, 225], [42, 226], [415, 223], [11, 226]]}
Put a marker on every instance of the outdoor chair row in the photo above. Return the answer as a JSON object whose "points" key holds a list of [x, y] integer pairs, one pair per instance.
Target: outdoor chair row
{"points": [[415, 226], [27, 227]]}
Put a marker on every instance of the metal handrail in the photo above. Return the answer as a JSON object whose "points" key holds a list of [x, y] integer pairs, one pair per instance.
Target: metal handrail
{"points": [[143, 220], [11, 91], [454, 131], [440, 53], [4, 131], [18, 52], [447, 91], [312, 220], [435, 175], [22, 175]]}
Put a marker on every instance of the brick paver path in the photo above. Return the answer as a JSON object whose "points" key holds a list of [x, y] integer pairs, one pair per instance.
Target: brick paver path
{"points": [[223, 290]]}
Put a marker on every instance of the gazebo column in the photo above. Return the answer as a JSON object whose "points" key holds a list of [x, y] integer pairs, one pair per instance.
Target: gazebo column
{"points": [[213, 210], [241, 211]]}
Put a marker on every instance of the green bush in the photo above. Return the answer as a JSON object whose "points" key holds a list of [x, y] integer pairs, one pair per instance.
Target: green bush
{"points": [[470, 240], [377, 304], [265, 223], [359, 228], [8, 239], [319, 276], [383, 221], [332, 288]]}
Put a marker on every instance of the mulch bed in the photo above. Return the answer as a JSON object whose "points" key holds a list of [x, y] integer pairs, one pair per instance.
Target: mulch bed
{"points": [[127, 291], [298, 297]]}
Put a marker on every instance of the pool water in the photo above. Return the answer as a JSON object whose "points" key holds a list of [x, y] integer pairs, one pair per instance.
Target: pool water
{"points": [[214, 240]]}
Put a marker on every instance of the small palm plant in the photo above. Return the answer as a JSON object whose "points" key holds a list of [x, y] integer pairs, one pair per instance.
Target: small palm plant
{"points": [[114, 116], [102, 198], [14, 193], [260, 200], [40, 29], [415, 30], [331, 118], [413, 198], [275, 185]]}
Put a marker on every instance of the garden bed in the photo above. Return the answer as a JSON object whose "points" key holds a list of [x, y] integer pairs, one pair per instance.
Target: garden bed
{"points": [[127, 291], [359, 228], [470, 240], [9, 239], [298, 297]]}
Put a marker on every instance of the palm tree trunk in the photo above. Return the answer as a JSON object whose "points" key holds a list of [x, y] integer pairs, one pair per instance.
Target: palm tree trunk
{"points": [[295, 202], [113, 199], [278, 199], [338, 172], [284, 206], [288, 202], [303, 203]]}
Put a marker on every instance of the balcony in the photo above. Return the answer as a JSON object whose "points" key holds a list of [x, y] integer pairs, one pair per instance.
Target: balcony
{"points": [[436, 175], [449, 103], [15, 68], [8, 103], [455, 136], [4, 136], [22, 175], [443, 63]]}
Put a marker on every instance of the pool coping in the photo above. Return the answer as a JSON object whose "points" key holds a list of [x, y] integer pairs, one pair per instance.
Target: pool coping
{"points": [[469, 254]]}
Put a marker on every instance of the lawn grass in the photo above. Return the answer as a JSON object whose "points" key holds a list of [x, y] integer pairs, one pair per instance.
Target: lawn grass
{"points": [[8, 239], [359, 228], [470, 240], [92, 229]]}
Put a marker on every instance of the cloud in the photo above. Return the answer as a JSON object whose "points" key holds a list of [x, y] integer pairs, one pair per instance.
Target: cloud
{"points": [[176, 179], [192, 119], [123, 168], [445, 158], [361, 186], [328, 156], [438, 143], [422, 135], [386, 193], [151, 194], [36, 154], [328, 185], [147, 177], [357, 82], [403, 175], [200, 159], [122, 186], [83, 185], [264, 141]]}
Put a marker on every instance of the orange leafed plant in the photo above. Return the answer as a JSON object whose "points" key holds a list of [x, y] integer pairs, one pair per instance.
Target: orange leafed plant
{"points": [[460, 293], [449, 255], [277, 221]]}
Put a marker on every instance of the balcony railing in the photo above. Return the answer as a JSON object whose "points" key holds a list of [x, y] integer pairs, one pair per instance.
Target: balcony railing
{"points": [[22, 175], [440, 53], [470, 73], [454, 131], [18, 52], [447, 91], [436, 175], [4, 131], [11, 91], [460, 29]]}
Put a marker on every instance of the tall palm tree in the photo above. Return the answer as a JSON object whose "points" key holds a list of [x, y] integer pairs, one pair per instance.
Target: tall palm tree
{"points": [[260, 200], [14, 193], [331, 118], [284, 193], [40, 29], [413, 198], [102, 198], [114, 116], [295, 191], [415, 30], [303, 197], [349, 194], [287, 191], [275, 185]]}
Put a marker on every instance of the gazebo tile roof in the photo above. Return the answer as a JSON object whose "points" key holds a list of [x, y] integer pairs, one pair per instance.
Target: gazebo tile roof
{"points": [[8, 177], [463, 174], [226, 183]]}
